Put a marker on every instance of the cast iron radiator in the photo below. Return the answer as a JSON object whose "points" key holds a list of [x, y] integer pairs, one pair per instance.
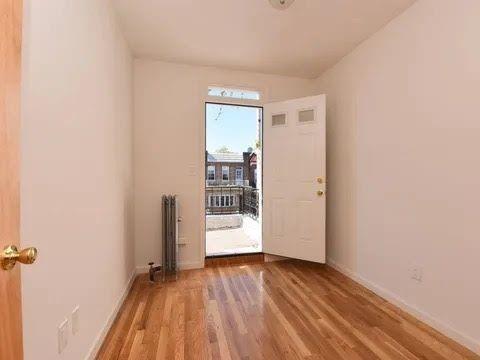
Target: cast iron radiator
{"points": [[169, 239], [170, 234]]}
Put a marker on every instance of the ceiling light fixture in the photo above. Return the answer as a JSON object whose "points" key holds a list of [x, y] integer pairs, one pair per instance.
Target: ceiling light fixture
{"points": [[281, 4]]}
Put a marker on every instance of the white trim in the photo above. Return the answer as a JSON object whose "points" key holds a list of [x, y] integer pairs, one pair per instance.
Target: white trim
{"points": [[202, 85], [189, 265], [142, 269], [438, 325], [92, 354], [203, 98], [231, 101]]}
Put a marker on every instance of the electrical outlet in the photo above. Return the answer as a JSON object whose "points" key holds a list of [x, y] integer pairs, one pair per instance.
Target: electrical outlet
{"points": [[62, 336], [76, 320], [182, 241], [417, 274]]}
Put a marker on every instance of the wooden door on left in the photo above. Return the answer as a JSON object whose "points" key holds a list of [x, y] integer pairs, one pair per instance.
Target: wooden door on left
{"points": [[11, 347]]}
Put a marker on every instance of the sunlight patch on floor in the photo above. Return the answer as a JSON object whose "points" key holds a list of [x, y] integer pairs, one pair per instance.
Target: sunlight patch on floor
{"points": [[246, 239]]}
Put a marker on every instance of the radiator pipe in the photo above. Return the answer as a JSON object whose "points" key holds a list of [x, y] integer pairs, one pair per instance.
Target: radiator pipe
{"points": [[153, 270]]}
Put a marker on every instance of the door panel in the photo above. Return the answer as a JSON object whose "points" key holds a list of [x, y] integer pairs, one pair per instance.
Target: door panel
{"points": [[10, 294], [305, 149], [278, 217], [304, 222], [294, 161], [279, 154]]}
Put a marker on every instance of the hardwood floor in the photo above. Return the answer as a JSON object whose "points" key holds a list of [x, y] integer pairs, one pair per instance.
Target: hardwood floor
{"points": [[278, 310]]}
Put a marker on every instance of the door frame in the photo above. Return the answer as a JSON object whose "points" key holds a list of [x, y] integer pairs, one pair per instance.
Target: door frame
{"points": [[11, 37], [234, 102]]}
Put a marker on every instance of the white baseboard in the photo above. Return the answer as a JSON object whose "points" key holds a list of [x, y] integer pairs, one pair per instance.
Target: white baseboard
{"points": [[103, 333], [142, 269], [186, 265], [438, 325]]}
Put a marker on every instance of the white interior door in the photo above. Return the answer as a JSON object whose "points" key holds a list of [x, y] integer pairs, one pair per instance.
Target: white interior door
{"points": [[294, 178]]}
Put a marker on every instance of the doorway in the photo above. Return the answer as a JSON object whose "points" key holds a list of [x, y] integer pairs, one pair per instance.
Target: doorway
{"points": [[233, 179]]}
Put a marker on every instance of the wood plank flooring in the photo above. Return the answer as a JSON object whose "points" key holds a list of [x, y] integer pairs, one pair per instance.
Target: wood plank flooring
{"points": [[278, 310]]}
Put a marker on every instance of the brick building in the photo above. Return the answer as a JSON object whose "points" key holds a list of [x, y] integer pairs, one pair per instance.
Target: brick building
{"points": [[230, 180], [227, 169]]}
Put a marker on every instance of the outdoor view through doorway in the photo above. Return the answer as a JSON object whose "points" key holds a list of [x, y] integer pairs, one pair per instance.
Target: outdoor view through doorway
{"points": [[233, 159]]}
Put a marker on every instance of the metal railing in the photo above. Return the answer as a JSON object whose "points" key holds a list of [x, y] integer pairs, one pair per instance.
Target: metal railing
{"points": [[232, 199], [250, 201], [227, 183]]}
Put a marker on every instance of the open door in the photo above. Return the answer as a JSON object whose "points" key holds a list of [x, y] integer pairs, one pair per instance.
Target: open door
{"points": [[11, 347], [294, 178]]}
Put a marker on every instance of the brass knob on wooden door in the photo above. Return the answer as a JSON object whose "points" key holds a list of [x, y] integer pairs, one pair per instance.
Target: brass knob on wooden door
{"points": [[10, 255]]}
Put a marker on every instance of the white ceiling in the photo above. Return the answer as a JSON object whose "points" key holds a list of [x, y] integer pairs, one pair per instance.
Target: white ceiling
{"points": [[303, 40]]}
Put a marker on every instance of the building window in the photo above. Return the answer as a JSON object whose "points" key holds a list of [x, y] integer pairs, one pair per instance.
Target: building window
{"points": [[239, 173], [222, 200], [211, 172], [225, 171]]}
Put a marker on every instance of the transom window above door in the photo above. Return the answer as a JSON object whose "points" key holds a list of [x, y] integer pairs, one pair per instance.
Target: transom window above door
{"points": [[233, 93]]}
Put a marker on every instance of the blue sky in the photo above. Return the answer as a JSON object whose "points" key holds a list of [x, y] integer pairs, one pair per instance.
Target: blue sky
{"points": [[235, 128]]}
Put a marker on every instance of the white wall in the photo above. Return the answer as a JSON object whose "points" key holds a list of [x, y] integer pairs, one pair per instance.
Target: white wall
{"points": [[403, 175], [169, 145], [76, 191], [402, 140]]}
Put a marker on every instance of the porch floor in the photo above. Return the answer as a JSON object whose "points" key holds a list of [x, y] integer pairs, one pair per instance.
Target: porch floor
{"points": [[246, 239]]}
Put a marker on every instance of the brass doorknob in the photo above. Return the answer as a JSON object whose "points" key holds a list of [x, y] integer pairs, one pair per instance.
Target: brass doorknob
{"points": [[320, 193], [10, 255]]}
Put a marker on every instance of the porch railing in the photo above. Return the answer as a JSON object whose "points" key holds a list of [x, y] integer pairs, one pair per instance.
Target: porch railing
{"points": [[250, 201], [227, 183], [223, 200]]}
